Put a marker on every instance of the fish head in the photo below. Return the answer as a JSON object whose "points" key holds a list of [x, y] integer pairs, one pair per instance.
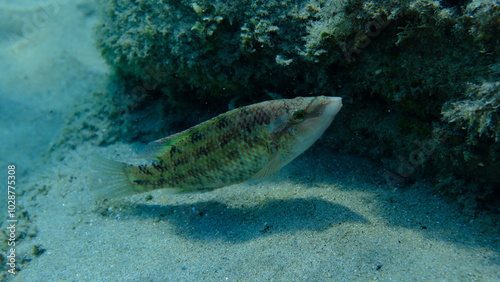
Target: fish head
{"points": [[302, 123]]}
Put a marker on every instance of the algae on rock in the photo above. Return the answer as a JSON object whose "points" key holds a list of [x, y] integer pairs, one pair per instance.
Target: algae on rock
{"points": [[479, 113]]}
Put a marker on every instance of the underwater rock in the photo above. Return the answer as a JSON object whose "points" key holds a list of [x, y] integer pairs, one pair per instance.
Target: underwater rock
{"points": [[395, 63]]}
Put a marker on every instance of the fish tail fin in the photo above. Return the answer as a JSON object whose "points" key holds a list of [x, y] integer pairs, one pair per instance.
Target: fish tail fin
{"points": [[109, 178]]}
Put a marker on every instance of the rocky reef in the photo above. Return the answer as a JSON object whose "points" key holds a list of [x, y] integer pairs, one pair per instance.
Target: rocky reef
{"points": [[419, 79]]}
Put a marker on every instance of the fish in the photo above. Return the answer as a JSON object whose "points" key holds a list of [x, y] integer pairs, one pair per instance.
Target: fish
{"points": [[245, 144]]}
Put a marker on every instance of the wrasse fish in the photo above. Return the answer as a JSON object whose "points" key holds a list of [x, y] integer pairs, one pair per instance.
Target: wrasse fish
{"points": [[244, 144]]}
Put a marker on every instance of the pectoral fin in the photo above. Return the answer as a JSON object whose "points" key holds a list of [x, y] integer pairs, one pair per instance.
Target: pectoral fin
{"points": [[272, 167]]}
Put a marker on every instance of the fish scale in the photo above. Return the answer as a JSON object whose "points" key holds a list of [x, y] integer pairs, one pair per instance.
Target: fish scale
{"points": [[244, 144]]}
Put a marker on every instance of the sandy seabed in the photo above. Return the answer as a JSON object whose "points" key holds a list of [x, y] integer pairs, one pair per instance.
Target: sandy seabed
{"points": [[325, 217]]}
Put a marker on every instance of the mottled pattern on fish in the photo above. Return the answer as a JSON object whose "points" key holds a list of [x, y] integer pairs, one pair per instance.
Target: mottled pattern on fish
{"points": [[243, 144]]}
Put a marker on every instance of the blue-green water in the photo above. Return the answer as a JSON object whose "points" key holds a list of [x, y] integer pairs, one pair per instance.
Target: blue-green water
{"points": [[329, 215]]}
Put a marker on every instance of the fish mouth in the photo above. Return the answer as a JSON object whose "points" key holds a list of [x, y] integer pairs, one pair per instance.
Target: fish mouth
{"points": [[332, 107]]}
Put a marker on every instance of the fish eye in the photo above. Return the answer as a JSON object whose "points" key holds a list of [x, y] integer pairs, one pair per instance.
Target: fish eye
{"points": [[298, 116]]}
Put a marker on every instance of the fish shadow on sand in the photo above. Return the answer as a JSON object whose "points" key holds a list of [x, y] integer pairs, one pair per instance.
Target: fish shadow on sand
{"points": [[213, 220]]}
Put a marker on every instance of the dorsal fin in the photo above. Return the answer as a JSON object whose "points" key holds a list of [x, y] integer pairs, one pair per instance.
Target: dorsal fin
{"points": [[157, 148]]}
